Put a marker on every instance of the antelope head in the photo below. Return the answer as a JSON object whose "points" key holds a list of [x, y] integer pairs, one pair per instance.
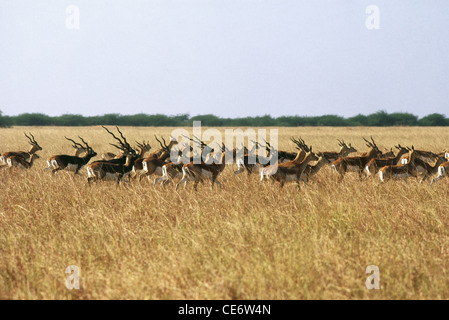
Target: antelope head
{"points": [[34, 145]]}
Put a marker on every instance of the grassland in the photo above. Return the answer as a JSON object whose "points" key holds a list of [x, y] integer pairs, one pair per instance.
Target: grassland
{"points": [[246, 241]]}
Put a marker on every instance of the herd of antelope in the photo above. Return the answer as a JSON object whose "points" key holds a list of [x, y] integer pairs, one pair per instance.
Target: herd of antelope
{"points": [[282, 166]]}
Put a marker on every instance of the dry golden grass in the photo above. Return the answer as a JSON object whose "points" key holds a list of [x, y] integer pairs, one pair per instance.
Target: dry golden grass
{"points": [[246, 241]]}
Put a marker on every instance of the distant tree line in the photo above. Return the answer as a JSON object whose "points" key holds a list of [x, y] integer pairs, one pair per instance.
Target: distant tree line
{"points": [[378, 119]]}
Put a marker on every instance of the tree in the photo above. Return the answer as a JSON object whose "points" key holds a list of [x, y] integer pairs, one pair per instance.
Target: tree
{"points": [[434, 119]]}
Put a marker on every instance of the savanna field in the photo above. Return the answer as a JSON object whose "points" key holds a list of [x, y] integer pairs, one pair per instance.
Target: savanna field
{"points": [[245, 241]]}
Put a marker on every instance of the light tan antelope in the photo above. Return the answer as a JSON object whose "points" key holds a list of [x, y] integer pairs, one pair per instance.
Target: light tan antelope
{"points": [[26, 155], [403, 171], [20, 162], [355, 164], [375, 164], [154, 163], [289, 171]]}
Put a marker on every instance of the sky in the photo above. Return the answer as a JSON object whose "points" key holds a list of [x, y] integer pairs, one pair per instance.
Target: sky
{"points": [[232, 58]]}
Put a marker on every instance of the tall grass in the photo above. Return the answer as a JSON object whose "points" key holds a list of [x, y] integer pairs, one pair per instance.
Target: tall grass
{"points": [[245, 241]]}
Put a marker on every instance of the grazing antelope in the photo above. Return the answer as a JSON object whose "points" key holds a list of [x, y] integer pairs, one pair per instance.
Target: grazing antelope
{"points": [[375, 164], [344, 151], [26, 155], [20, 162], [355, 164], [290, 170], [71, 163], [403, 171], [203, 170]]}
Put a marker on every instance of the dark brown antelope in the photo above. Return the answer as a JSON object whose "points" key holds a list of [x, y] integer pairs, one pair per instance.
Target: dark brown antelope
{"points": [[71, 163], [102, 170]]}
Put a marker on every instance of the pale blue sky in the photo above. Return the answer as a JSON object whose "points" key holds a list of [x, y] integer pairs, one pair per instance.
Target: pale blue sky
{"points": [[230, 58]]}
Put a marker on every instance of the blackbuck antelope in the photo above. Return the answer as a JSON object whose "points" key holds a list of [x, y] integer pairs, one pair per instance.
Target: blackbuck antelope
{"points": [[403, 171], [311, 170], [26, 155], [141, 167], [355, 164], [197, 172], [426, 156], [289, 171], [123, 146], [102, 170], [443, 171], [375, 164], [426, 170], [172, 170], [71, 163], [20, 162], [251, 161], [109, 156], [154, 163], [137, 165], [444, 154], [344, 151], [114, 169]]}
